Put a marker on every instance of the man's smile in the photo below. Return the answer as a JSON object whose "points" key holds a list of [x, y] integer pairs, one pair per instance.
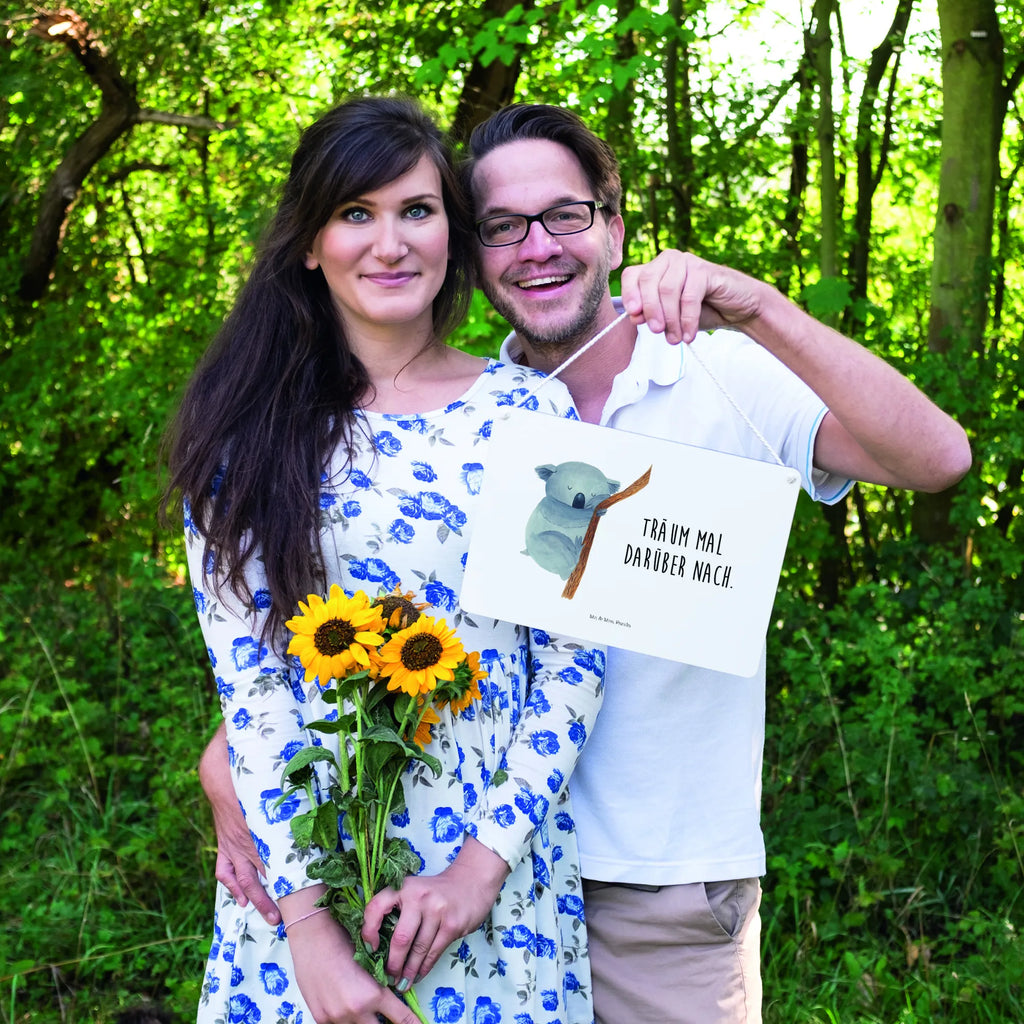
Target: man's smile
{"points": [[540, 282]]}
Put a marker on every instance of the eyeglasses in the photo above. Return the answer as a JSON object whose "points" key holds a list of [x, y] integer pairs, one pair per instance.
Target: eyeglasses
{"points": [[564, 219]]}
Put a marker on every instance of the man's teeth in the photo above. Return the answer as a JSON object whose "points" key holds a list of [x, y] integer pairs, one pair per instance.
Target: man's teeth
{"points": [[537, 282]]}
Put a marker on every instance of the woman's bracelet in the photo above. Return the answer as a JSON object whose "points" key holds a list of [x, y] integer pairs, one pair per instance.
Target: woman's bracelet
{"points": [[305, 917]]}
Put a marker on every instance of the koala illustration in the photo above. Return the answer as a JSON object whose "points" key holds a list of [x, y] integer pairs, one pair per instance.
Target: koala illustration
{"points": [[556, 527]]}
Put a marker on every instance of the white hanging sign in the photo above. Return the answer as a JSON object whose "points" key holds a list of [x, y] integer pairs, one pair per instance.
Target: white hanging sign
{"points": [[630, 541]]}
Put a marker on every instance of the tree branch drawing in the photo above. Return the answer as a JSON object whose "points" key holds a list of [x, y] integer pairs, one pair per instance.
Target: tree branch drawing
{"points": [[573, 582]]}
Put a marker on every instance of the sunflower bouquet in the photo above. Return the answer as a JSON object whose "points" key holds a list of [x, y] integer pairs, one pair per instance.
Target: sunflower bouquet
{"points": [[390, 669]]}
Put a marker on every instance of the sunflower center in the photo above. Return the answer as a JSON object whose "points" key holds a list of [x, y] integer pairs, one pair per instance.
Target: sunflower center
{"points": [[421, 651], [391, 603], [334, 636]]}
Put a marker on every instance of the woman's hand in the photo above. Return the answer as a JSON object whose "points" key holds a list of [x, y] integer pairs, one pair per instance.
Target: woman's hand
{"points": [[238, 865], [435, 910], [336, 989]]}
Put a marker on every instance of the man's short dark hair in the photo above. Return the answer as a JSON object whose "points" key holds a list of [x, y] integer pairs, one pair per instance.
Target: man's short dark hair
{"points": [[520, 121]]}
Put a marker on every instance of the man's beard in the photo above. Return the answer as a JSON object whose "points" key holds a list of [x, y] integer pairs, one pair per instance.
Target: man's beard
{"points": [[566, 337]]}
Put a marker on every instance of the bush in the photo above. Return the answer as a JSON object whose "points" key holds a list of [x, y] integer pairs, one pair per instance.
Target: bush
{"points": [[893, 806], [107, 863]]}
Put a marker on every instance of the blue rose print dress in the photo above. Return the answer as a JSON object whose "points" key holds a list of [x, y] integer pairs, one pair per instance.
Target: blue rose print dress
{"points": [[403, 515]]}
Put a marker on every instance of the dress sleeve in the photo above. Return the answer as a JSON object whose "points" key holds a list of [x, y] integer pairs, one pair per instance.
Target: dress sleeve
{"points": [[264, 707], [566, 684], [563, 699]]}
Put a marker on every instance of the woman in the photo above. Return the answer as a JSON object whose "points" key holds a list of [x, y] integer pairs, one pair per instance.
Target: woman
{"points": [[330, 436]]}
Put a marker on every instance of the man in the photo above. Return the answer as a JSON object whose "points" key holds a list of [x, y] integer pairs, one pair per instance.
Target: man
{"points": [[671, 852]]}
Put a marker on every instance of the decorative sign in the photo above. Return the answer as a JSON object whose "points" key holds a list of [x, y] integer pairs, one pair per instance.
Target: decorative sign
{"points": [[630, 541]]}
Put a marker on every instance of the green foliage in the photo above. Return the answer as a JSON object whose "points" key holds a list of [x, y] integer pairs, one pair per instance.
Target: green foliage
{"points": [[893, 776], [893, 809], [827, 298], [103, 835]]}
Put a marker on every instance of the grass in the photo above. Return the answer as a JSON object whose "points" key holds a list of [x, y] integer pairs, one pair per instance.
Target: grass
{"points": [[106, 864], [894, 810]]}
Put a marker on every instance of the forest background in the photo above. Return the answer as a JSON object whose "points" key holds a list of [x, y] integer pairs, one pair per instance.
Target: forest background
{"points": [[865, 157]]}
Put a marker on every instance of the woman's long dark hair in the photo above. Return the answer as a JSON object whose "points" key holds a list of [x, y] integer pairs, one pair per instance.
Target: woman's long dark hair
{"points": [[275, 394]]}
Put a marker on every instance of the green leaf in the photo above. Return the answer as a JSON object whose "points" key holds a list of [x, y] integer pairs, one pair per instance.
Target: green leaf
{"points": [[371, 960], [329, 726], [347, 804], [339, 869], [380, 695], [302, 826], [383, 733], [429, 760], [350, 687], [397, 801], [483, 38], [325, 828], [372, 963], [380, 756], [351, 918], [622, 76], [452, 55], [398, 861], [298, 770], [828, 297]]}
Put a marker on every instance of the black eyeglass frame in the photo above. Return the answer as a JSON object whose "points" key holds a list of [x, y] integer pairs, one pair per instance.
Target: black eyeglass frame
{"points": [[593, 205]]}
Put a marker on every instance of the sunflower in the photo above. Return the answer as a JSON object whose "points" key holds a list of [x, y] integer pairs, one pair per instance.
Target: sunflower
{"points": [[399, 610], [331, 637], [417, 657], [472, 692], [423, 732]]}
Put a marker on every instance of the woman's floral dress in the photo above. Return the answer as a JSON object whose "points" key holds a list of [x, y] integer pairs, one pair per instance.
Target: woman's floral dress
{"points": [[403, 515]]}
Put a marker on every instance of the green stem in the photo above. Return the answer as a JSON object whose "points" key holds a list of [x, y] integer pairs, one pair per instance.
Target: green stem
{"points": [[380, 831], [343, 763], [359, 833], [414, 1004], [408, 718]]}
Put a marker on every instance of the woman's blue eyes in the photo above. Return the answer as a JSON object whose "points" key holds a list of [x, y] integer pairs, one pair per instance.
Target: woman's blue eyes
{"points": [[357, 215]]}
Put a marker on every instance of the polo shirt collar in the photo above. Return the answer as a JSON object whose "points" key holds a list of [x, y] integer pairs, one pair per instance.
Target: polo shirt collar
{"points": [[654, 362]]}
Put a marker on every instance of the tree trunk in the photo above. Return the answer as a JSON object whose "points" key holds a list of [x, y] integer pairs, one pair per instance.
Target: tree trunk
{"points": [[486, 89], [119, 113], [799, 177], [973, 107], [679, 132], [819, 53], [835, 562], [619, 131], [118, 110], [869, 171]]}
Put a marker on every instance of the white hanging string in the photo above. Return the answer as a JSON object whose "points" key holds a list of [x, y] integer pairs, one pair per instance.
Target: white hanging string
{"points": [[572, 359], [690, 350], [746, 419]]}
